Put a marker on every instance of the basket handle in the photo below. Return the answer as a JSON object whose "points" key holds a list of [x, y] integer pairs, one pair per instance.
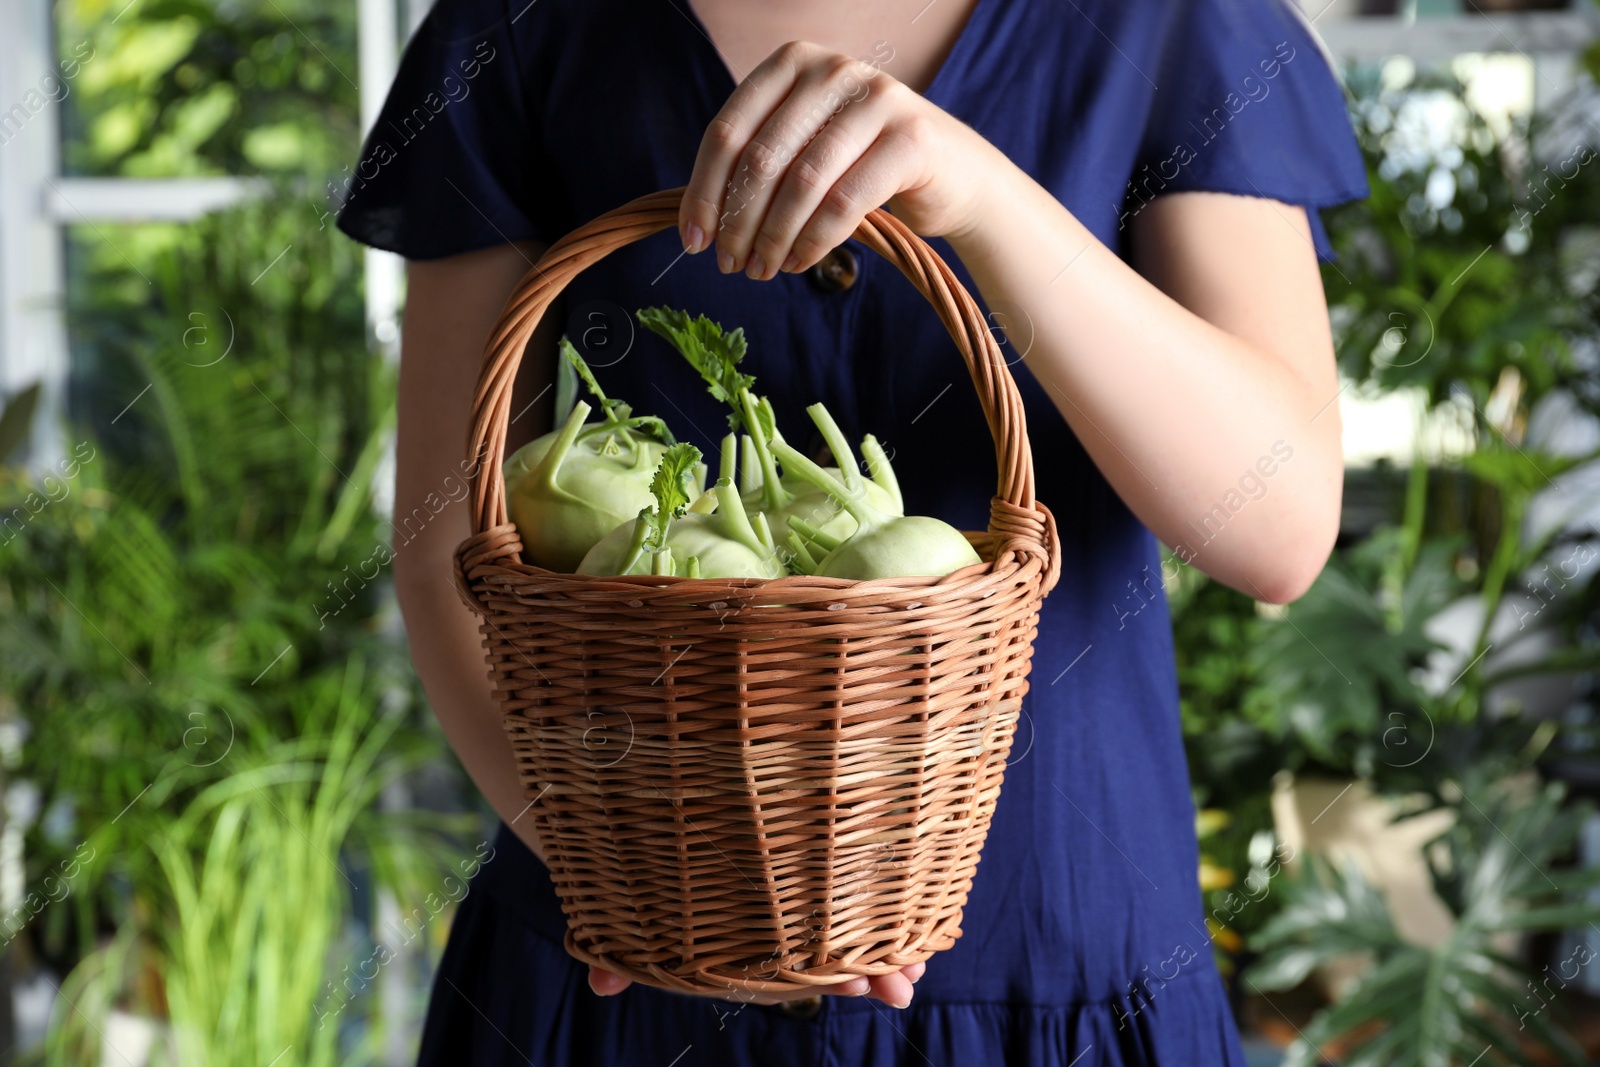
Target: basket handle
{"points": [[1017, 521]]}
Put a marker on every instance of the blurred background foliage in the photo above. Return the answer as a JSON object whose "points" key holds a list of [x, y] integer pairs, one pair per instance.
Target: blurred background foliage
{"points": [[1446, 656], [198, 651], [186, 87], [200, 669]]}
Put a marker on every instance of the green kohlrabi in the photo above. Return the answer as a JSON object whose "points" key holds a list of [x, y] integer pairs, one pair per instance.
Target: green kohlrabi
{"points": [[884, 545], [791, 496], [672, 538], [568, 489], [779, 495]]}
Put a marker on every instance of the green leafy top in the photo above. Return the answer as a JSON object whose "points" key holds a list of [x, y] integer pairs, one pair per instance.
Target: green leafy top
{"points": [[576, 362], [715, 354], [617, 414], [672, 486]]}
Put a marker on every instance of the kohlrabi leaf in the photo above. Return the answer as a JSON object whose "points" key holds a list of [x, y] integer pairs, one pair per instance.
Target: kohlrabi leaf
{"points": [[576, 362], [715, 354], [673, 487], [566, 390], [653, 426], [615, 411]]}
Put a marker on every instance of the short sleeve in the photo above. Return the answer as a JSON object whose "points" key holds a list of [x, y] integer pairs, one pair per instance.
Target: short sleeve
{"points": [[1248, 103], [453, 162]]}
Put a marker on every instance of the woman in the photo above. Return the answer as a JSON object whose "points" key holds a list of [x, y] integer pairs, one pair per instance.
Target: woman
{"points": [[1131, 186]]}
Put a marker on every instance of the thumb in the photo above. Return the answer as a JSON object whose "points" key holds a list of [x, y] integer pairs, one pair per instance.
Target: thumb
{"points": [[606, 984]]}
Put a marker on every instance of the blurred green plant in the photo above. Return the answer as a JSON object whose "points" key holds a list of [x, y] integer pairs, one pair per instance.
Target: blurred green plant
{"points": [[199, 607], [1466, 999], [16, 418], [181, 617], [1422, 296], [1462, 278], [252, 893], [179, 87], [170, 601], [1455, 278], [1451, 273]]}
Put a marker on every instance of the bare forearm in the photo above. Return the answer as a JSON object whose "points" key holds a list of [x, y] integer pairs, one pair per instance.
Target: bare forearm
{"points": [[1174, 409], [451, 307]]}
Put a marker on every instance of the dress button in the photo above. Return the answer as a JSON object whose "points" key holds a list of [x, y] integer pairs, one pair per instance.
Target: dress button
{"points": [[804, 1009], [836, 271]]}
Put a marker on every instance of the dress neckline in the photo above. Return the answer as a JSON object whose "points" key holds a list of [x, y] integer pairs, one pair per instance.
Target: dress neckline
{"points": [[721, 76]]}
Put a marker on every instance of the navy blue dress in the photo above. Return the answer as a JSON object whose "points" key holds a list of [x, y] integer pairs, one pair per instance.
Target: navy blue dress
{"points": [[1084, 938]]}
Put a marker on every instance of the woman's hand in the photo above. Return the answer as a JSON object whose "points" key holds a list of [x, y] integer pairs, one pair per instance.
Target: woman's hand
{"points": [[893, 989], [1183, 359], [811, 142]]}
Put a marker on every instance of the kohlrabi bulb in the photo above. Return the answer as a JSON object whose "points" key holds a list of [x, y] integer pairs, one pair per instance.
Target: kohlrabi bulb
{"points": [[569, 489]]}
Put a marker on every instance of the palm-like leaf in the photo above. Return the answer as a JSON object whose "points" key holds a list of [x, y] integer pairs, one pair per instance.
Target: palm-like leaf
{"points": [[1463, 1001], [171, 607], [1345, 653]]}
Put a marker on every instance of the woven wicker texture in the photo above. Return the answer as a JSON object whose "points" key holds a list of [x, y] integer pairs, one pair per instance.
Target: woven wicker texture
{"points": [[759, 785]]}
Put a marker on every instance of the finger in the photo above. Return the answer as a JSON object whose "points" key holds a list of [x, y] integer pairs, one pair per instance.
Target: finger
{"points": [[913, 972], [606, 984], [826, 159], [855, 987], [870, 181], [893, 989], [821, 96], [762, 90]]}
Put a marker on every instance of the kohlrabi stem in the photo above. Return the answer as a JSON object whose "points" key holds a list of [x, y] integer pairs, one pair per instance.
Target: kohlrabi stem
{"points": [[749, 465], [839, 445], [773, 493], [805, 562], [550, 466], [882, 472], [793, 460], [731, 517], [826, 542], [691, 569], [764, 532], [772, 416], [730, 458], [662, 562], [641, 531], [612, 423]]}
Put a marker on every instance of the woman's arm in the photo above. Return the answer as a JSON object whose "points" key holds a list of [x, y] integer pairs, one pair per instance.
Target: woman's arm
{"points": [[1184, 381], [1190, 381], [451, 305]]}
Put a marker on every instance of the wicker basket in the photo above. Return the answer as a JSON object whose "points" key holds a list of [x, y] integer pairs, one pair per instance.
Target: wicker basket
{"points": [[759, 785]]}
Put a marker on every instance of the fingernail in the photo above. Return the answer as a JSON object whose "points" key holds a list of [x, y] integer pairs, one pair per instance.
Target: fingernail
{"points": [[904, 1004], [725, 261], [694, 239], [755, 268], [791, 264]]}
